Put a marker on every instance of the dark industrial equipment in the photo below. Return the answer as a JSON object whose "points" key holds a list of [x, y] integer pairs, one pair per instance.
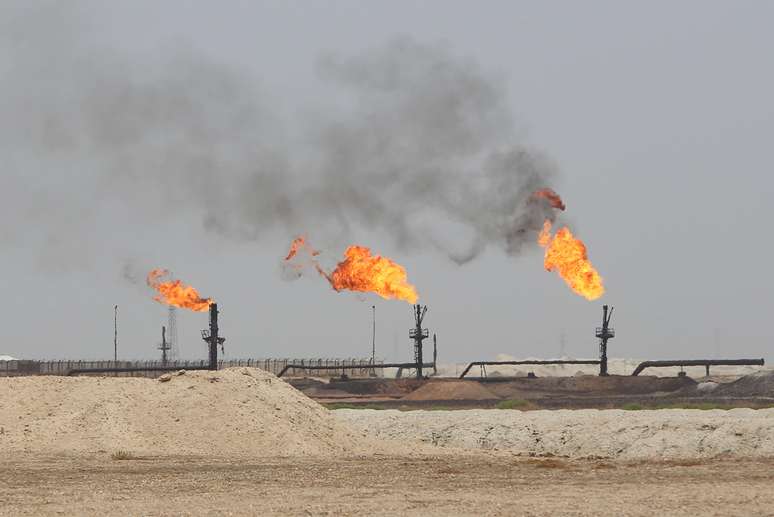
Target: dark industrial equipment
{"points": [[418, 334], [435, 354], [115, 333], [344, 368], [514, 363], [604, 333], [211, 337], [133, 369], [697, 362], [164, 346]]}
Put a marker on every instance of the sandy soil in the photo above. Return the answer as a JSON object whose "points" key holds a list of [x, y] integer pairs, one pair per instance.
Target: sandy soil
{"points": [[586, 433], [446, 485], [452, 390], [242, 442], [238, 411]]}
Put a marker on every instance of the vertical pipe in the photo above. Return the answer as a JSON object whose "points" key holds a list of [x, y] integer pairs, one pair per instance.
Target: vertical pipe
{"points": [[418, 345], [163, 346], [435, 355], [373, 336], [603, 344], [213, 336], [115, 333]]}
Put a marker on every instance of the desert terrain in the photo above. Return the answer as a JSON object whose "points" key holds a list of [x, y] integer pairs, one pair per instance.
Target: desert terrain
{"points": [[242, 442], [410, 484]]}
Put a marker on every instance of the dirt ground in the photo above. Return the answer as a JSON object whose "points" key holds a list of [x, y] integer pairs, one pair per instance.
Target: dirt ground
{"points": [[241, 442], [476, 484], [666, 434]]}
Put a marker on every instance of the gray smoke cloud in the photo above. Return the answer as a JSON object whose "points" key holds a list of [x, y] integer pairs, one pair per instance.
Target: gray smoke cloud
{"points": [[421, 140]]}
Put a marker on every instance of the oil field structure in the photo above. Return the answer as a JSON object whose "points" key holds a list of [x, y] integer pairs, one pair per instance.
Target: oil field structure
{"points": [[605, 333], [170, 360], [418, 369], [417, 333], [553, 389]]}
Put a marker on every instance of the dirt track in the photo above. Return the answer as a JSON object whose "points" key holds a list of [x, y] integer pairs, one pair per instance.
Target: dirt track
{"points": [[446, 485]]}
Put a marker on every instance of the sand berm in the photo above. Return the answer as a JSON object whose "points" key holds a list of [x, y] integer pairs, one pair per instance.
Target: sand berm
{"points": [[241, 411], [248, 412]]}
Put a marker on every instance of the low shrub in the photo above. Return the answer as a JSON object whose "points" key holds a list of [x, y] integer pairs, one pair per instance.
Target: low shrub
{"points": [[121, 454], [514, 404]]}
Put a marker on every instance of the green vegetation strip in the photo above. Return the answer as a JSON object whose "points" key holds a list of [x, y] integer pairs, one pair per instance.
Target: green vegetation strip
{"points": [[515, 404]]}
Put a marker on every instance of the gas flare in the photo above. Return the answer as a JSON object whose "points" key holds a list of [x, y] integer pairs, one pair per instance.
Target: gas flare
{"points": [[545, 234], [361, 271], [549, 195], [173, 292], [299, 243], [566, 255]]}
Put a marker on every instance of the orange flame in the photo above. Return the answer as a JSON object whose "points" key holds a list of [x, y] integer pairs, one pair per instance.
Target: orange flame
{"points": [[545, 234], [549, 195], [173, 292], [299, 243], [567, 256], [361, 271]]}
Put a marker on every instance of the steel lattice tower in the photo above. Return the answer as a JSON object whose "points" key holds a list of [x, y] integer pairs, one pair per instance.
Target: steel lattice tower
{"points": [[172, 333]]}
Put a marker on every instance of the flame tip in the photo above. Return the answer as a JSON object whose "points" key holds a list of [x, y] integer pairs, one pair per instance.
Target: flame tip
{"points": [[175, 293], [360, 271], [567, 255]]}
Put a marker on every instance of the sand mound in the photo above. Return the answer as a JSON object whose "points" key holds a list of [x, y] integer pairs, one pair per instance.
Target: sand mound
{"points": [[451, 390], [239, 411], [760, 384], [589, 433]]}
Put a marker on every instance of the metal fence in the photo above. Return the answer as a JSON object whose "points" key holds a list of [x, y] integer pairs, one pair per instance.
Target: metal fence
{"points": [[354, 367]]}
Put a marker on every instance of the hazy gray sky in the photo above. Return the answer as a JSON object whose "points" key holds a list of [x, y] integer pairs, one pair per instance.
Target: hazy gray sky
{"points": [[200, 136]]}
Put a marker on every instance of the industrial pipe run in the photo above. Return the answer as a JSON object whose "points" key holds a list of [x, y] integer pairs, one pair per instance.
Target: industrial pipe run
{"points": [[343, 368], [697, 362], [513, 363], [79, 371]]}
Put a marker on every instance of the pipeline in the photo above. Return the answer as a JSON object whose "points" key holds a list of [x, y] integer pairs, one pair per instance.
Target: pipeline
{"points": [[78, 371], [343, 368], [697, 362], [538, 362]]}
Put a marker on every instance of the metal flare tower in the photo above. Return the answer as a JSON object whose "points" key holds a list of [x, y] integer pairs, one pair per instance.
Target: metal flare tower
{"points": [[418, 334], [164, 346], [174, 348], [604, 333], [210, 336]]}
